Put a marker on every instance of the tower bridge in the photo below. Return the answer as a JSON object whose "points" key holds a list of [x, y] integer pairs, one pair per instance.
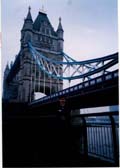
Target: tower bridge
{"points": [[24, 70], [41, 66]]}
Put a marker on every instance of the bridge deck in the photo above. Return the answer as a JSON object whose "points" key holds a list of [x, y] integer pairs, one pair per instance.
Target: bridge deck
{"points": [[95, 92]]}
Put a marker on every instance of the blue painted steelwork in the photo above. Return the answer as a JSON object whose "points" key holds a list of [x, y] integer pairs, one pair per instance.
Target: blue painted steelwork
{"points": [[74, 62], [75, 66], [91, 67]]}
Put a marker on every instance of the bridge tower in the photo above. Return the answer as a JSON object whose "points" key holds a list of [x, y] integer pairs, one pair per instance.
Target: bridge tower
{"points": [[41, 34]]}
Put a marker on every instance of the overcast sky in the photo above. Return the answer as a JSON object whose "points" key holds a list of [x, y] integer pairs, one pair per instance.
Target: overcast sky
{"points": [[90, 26]]}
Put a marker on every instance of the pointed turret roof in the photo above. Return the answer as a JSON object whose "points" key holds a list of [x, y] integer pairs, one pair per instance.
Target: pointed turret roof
{"points": [[42, 17], [28, 20], [29, 17], [7, 66], [40, 20], [60, 25]]}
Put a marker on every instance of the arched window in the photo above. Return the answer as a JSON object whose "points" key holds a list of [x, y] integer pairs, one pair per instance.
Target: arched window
{"points": [[59, 46], [43, 38], [38, 38], [47, 31], [51, 41], [43, 30], [28, 37]]}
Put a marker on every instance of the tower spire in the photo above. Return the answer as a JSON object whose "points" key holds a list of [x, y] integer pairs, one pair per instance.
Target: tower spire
{"points": [[7, 65], [29, 17], [60, 32], [6, 71], [28, 20], [29, 8], [60, 25], [60, 19]]}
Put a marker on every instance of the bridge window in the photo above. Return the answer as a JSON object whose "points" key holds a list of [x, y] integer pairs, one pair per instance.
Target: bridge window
{"points": [[92, 82], [115, 74], [80, 86], [108, 77], [75, 88], [71, 89], [67, 91], [99, 80], [86, 84], [60, 93]]}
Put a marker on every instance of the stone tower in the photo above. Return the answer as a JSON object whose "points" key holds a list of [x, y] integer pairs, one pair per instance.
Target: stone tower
{"points": [[5, 86], [46, 40]]}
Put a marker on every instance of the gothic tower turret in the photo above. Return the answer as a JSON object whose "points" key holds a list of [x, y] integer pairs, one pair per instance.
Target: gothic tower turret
{"points": [[29, 78], [60, 32], [26, 32], [7, 70]]}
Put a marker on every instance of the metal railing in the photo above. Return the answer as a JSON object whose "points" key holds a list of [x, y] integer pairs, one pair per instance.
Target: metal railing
{"points": [[78, 87], [99, 135]]}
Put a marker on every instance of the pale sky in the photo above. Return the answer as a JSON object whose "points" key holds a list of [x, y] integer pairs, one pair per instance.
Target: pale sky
{"points": [[90, 26]]}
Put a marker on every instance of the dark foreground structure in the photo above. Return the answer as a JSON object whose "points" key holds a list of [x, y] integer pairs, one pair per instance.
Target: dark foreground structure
{"points": [[58, 139]]}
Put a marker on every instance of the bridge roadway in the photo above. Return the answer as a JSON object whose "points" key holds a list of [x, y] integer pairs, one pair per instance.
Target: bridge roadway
{"points": [[100, 91]]}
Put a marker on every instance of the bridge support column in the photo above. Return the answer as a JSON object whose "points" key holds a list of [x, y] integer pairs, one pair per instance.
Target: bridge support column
{"points": [[25, 86], [19, 92], [25, 90]]}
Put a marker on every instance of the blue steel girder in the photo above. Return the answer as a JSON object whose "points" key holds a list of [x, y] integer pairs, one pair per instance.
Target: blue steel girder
{"points": [[72, 69], [69, 69]]}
